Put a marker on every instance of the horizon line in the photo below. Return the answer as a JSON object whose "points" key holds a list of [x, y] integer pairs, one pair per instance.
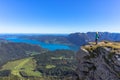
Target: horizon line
{"points": [[61, 33]]}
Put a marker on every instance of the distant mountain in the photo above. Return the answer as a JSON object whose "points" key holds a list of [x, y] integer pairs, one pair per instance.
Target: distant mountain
{"points": [[73, 39], [57, 39], [83, 38]]}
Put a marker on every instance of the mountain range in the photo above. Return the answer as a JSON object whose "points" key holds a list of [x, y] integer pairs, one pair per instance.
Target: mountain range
{"points": [[83, 38], [77, 39]]}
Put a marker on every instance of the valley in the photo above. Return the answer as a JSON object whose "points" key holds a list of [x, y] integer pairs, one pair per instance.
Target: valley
{"points": [[38, 58]]}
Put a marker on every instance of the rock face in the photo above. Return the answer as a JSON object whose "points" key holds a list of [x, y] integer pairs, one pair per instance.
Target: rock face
{"points": [[99, 63]]}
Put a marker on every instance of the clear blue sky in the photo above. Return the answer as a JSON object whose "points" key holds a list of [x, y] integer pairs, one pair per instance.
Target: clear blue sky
{"points": [[59, 16]]}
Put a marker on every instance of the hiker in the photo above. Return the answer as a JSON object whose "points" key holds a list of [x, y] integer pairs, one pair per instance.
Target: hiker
{"points": [[96, 38]]}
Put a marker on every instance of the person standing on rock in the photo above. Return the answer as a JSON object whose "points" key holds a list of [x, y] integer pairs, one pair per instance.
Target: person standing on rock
{"points": [[96, 38]]}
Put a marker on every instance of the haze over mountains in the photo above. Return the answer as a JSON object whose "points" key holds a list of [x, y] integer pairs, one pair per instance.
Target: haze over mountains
{"points": [[77, 39]]}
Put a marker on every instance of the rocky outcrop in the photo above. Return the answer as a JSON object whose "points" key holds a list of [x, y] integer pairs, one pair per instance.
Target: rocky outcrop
{"points": [[99, 62]]}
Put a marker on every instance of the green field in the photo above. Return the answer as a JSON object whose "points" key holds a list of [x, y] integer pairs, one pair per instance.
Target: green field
{"points": [[50, 66], [26, 65], [62, 57]]}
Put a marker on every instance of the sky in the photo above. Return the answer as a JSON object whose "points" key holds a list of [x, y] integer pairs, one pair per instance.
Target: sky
{"points": [[59, 16]]}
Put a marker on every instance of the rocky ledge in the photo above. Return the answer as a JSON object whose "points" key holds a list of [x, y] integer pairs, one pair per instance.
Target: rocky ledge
{"points": [[99, 62]]}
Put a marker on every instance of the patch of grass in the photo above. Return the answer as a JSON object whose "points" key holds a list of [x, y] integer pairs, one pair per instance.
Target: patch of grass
{"points": [[59, 58], [112, 45], [90, 48], [31, 53], [62, 57], [50, 66], [27, 65]]}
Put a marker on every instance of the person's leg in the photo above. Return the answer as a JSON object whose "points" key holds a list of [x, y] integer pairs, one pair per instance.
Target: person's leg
{"points": [[96, 40]]}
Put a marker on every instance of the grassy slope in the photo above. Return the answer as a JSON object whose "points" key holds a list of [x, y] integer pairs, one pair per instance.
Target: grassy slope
{"points": [[92, 46], [27, 65]]}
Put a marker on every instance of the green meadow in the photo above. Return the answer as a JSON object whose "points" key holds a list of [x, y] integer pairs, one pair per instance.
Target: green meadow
{"points": [[26, 65]]}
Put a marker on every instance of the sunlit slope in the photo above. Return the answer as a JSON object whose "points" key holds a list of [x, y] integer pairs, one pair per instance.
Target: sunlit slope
{"points": [[26, 65]]}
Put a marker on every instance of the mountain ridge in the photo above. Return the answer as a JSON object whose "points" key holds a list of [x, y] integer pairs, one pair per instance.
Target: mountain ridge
{"points": [[81, 39], [78, 39], [12, 51]]}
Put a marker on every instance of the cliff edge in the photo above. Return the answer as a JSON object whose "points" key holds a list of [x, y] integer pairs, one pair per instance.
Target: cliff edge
{"points": [[99, 62]]}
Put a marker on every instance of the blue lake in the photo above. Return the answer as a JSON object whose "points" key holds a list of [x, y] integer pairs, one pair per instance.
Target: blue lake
{"points": [[49, 46]]}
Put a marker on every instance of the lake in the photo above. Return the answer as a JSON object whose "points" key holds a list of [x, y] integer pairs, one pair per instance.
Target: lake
{"points": [[48, 46]]}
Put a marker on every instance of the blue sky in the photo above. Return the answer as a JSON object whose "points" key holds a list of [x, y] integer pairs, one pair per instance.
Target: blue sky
{"points": [[59, 16]]}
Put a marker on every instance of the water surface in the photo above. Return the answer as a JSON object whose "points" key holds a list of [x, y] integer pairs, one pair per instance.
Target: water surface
{"points": [[49, 46]]}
